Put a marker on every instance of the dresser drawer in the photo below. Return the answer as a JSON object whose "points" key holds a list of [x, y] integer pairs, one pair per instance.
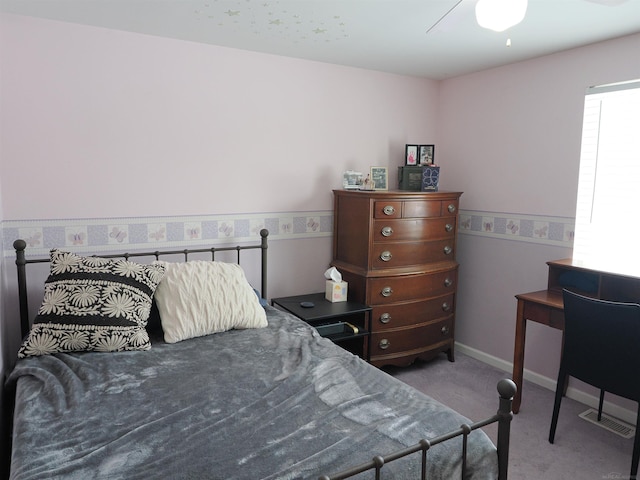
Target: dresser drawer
{"points": [[392, 255], [387, 290], [405, 340], [422, 208], [388, 230], [387, 209], [406, 314]]}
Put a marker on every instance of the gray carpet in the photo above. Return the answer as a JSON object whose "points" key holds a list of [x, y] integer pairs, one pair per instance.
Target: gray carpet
{"points": [[581, 450]]}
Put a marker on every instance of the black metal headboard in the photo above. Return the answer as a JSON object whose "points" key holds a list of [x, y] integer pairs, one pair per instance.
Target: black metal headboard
{"points": [[21, 263]]}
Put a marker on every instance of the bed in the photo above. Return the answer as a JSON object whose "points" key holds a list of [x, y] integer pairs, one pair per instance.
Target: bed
{"points": [[262, 400]]}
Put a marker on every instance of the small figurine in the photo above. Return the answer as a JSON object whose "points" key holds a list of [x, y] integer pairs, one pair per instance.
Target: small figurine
{"points": [[367, 184]]}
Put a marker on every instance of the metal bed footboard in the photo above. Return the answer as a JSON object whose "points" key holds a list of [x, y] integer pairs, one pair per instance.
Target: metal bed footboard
{"points": [[506, 388]]}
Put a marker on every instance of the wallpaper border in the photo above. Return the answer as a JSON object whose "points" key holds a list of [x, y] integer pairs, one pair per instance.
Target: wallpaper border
{"points": [[558, 231], [141, 233]]}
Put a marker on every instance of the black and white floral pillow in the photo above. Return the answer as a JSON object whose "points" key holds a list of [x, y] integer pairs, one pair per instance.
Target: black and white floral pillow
{"points": [[93, 303]]}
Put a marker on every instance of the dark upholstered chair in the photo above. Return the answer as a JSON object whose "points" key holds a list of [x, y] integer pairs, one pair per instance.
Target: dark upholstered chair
{"points": [[601, 348]]}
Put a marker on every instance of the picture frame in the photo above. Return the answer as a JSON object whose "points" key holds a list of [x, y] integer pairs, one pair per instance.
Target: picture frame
{"points": [[380, 178], [411, 155], [426, 154]]}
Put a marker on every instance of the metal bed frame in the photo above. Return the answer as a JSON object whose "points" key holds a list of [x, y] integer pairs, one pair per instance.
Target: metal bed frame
{"points": [[506, 387]]}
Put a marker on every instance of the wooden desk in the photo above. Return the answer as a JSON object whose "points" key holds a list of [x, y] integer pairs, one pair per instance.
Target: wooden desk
{"points": [[545, 307]]}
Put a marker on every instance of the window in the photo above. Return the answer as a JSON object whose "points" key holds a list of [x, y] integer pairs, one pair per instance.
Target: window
{"points": [[607, 235]]}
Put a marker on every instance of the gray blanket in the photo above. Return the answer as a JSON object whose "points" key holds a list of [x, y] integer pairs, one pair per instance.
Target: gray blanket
{"points": [[272, 403]]}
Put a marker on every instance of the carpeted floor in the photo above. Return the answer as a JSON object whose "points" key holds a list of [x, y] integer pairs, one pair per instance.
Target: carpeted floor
{"points": [[581, 451]]}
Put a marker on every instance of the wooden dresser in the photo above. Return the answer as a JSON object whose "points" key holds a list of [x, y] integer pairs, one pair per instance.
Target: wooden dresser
{"points": [[397, 251]]}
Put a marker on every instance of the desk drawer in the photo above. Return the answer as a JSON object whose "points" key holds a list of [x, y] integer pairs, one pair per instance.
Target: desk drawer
{"points": [[544, 314]]}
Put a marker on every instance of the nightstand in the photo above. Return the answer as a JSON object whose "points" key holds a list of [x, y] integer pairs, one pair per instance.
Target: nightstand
{"points": [[345, 323]]}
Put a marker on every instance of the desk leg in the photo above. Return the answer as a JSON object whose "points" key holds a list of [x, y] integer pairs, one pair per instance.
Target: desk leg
{"points": [[518, 355]]}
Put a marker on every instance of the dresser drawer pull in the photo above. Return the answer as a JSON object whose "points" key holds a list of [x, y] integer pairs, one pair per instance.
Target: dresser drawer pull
{"points": [[389, 210], [387, 231], [385, 256], [448, 227], [451, 208], [385, 318], [446, 307], [448, 282], [445, 330], [386, 292], [447, 250], [384, 344]]}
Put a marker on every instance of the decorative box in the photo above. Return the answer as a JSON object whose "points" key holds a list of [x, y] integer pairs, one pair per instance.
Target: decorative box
{"points": [[336, 291], [410, 178], [430, 178]]}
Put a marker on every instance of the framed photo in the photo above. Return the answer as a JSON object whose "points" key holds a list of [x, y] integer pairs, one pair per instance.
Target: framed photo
{"points": [[426, 154], [380, 178], [411, 155]]}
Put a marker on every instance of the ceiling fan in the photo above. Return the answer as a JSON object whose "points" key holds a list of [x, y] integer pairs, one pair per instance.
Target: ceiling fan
{"points": [[499, 15]]}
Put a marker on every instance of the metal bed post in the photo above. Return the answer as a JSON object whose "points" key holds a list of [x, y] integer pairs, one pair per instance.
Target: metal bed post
{"points": [[21, 261], [507, 390], [264, 233]]}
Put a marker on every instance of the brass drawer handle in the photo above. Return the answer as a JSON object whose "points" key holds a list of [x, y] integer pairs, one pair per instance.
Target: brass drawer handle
{"points": [[447, 250], [445, 330], [451, 208], [385, 318], [448, 282], [384, 344], [448, 227], [387, 231], [386, 292], [354, 329], [446, 307], [385, 256], [389, 210]]}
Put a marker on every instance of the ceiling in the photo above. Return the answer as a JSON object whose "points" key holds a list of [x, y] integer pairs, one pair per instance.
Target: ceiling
{"points": [[430, 38]]}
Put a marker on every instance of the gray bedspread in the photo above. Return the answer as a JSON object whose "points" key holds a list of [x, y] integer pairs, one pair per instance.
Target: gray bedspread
{"points": [[272, 403]]}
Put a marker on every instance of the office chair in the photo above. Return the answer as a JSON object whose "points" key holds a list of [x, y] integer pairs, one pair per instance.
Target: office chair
{"points": [[601, 348]]}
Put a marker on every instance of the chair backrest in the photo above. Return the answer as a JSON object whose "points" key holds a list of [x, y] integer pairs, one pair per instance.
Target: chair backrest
{"points": [[602, 343]]}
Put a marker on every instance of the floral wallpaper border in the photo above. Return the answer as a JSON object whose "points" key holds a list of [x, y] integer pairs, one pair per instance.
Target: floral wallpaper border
{"points": [[105, 234], [558, 231]]}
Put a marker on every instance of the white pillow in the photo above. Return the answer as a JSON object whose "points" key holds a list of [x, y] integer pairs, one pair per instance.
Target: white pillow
{"points": [[199, 298]]}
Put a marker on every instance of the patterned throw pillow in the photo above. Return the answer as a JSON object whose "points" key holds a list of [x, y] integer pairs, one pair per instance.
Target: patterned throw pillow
{"points": [[93, 303]]}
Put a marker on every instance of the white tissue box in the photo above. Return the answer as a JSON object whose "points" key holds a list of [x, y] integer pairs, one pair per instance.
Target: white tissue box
{"points": [[336, 291]]}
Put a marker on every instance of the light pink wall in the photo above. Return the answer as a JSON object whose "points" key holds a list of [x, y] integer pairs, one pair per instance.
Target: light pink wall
{"points": [[100, 123], [97, 123], [109, 123], [510, 139]]}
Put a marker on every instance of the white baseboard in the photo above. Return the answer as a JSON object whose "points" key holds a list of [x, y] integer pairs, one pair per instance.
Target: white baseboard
{"points": [[589, 400]]}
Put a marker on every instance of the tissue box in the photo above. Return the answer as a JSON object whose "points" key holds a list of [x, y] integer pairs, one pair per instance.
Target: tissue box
{"points": [[336, 291]]}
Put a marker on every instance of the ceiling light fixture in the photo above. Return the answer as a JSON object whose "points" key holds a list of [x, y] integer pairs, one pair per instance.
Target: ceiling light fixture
{"points": [[498, 15]]}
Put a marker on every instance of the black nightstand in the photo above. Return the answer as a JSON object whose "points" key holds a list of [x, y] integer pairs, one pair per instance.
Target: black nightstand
{"points": [[345, 323]]}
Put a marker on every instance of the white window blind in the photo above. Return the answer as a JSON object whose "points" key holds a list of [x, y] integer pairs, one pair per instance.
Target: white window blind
{"points": [[607, 235]]}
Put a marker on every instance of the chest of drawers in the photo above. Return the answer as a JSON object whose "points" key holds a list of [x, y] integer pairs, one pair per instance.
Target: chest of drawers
{"points": [[397, 251]]}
